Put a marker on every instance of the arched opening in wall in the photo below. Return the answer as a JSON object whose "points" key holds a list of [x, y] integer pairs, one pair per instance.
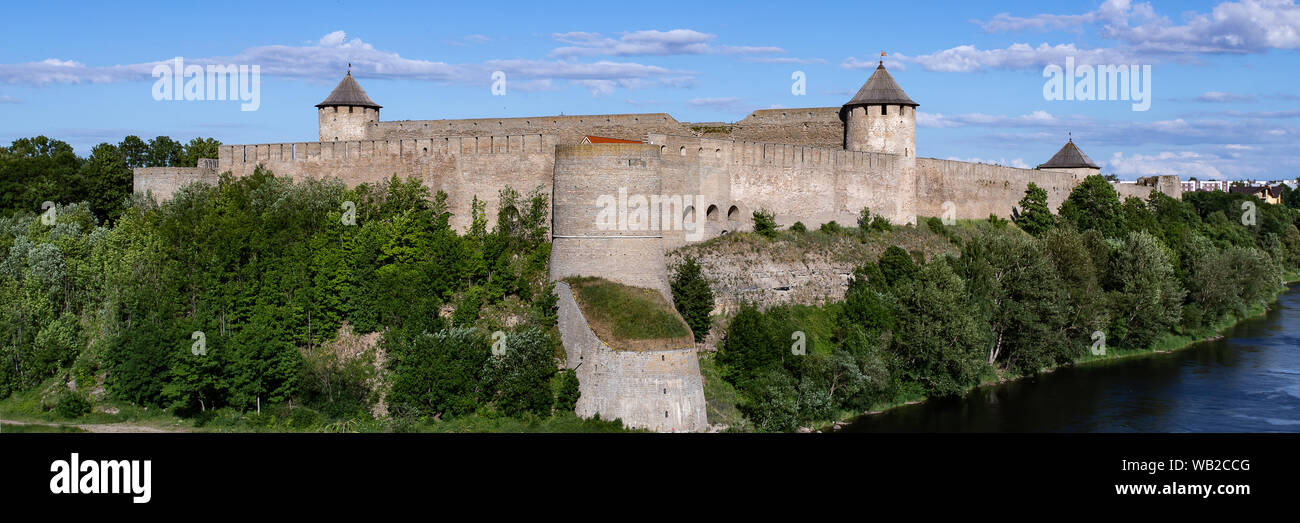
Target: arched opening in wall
{"points": [[662, 148], [688, 217], [733, 214], [717, 153], [682, 151], [711, 214]]}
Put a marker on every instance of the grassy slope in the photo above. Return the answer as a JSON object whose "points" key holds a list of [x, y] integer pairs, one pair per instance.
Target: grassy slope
{"points": [[625, 316]]}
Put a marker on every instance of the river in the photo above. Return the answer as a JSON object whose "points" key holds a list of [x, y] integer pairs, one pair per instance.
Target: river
{"points": [[1248, 381]]}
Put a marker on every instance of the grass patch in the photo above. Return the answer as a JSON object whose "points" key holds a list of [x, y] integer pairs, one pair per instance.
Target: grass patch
{"points": [[720, 396], [623, 315]]}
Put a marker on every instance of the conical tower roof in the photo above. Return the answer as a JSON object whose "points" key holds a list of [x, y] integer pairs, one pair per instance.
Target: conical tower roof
{"points": [[1069, 157], [348, 93], [881, 89]]}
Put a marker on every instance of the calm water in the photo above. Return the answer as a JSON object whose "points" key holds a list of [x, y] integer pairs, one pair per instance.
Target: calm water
{"points": [[1247, 382]]}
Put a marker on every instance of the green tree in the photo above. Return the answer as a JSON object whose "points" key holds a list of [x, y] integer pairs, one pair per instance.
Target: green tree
{"points": [[1094, 204], [1147, 297], [1035, 216], [109, 179], [566, 399], [521, 378], [437, 374], [198, 148], [693, 297], [750, 347], [135, 151], [164, 152], [938, 342]]}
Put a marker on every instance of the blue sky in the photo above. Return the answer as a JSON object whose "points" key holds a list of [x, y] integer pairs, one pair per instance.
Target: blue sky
{"points": [[1223, 98]]}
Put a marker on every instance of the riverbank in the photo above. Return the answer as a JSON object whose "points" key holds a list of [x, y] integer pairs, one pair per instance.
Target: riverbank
{"points": [[1168, 344]]}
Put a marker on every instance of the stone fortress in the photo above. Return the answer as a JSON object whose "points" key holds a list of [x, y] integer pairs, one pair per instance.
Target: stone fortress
{"points": [[812, 165]]}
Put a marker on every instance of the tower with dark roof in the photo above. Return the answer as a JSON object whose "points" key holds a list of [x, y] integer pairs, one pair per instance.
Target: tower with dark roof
{"points": [[347, 113], [880, 118], [1071, 159]]}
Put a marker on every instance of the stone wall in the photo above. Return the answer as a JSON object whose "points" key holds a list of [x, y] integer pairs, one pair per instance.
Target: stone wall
{"points": [[813, 185], [163, 182], [656, 390], [812, 126], [463, 167], [566, 129], [977, 190], [582, 246]]}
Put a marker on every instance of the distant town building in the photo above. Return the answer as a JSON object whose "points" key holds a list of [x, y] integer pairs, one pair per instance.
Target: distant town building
{"points": [[1268, 193], [1206, 185]]}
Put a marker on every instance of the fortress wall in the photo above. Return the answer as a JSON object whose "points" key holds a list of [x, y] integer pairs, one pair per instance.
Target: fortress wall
{"points": [[631, 254], [978, 189], [811, 126], [796, 183], [699, 169], [463, 167], [568, 129], [657, 390], [817, 184], [1127, 190], [163, 182]]}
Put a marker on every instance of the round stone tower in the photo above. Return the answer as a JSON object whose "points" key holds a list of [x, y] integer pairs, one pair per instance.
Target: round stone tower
{"points": [[881, 118], [347, 113]]}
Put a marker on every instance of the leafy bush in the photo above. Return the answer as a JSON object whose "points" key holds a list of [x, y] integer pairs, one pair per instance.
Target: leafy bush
{"points": [[72, 405], [765, 224], [566, 398]]}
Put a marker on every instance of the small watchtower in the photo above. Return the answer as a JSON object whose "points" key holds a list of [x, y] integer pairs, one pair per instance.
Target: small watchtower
{"points": [[347, 113], [1071, 159], [881, 117]]}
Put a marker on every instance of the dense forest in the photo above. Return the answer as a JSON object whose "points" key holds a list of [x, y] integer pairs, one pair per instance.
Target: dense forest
{"points": [[313, 300], [1103, 276]]}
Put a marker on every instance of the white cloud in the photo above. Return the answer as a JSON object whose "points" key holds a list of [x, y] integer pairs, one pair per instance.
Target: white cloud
{"points": [[968, 58], [4, 99], [1221, 97], [783, 60], [890, 63], [1183, 163], [719, 104], [1036, 118], [334, 39], [326, 58], [1247, 26], [1111, 11], [649, 42], [1144, 37]]}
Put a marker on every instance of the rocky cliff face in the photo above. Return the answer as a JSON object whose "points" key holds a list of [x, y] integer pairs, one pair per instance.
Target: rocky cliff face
{"points": [[809, 268]]}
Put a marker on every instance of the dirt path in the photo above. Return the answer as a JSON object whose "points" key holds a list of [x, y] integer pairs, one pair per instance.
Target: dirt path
{"points": [[95, 427]]}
